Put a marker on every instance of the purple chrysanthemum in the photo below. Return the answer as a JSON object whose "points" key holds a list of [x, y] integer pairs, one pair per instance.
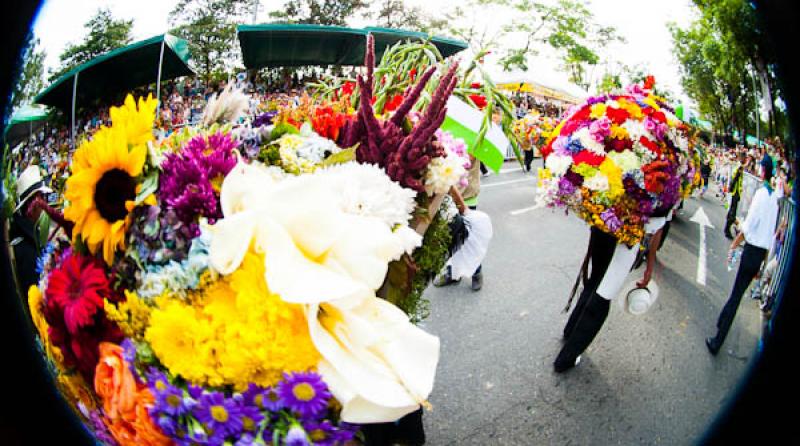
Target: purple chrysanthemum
{"points": [[611, 220], [565, 186], [296, 437], [264, 119], [220, 416], [191, 180], [304, 393]]}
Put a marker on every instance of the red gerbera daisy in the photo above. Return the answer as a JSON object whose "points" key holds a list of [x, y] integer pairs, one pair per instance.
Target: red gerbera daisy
{"points": [[77, 288]]}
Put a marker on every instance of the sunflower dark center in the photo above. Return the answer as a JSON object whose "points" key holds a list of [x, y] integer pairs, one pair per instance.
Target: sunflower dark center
{"points": [[111, 192]]}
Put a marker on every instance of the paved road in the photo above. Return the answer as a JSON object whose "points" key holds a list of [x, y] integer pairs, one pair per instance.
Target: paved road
{"points": [[645, 380]]}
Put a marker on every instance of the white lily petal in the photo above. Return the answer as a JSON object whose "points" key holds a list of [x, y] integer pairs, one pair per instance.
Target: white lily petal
{"points": [[230, 239]]}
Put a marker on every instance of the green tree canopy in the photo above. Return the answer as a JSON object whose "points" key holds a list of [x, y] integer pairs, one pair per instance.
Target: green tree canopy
{"points": [[320, 12], [105, 34], [31, 76], [210, 28]]}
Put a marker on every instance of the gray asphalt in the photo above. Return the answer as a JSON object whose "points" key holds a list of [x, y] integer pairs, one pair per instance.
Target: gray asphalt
{"points": [[645, 380]]}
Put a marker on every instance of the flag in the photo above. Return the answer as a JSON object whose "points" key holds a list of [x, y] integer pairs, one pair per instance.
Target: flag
{"points": [[464, 122]]}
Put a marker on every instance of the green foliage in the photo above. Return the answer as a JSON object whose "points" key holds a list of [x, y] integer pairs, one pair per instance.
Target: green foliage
{"points": [[397, 14], [406, 288], [319, 12], [210, 28], [31, 77], [105, 34]]}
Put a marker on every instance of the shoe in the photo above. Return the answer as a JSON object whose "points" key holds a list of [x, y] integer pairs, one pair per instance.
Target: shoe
{"points": [[561, 368], [445, 279], [713, 347], [477, 281]]}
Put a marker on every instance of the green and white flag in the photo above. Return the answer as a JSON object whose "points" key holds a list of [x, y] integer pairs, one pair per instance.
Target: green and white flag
{"points": [[464, 121]]}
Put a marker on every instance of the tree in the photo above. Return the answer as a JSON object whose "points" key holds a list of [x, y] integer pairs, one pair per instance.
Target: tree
{"points": [[320, 12], [608, 83], [105, 34], [210, 28], [31, 77], [396, 14], [567, 27]]}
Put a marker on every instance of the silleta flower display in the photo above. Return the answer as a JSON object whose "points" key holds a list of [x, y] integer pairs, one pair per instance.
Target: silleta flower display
{"points": [[617, 160], [221, 285]]}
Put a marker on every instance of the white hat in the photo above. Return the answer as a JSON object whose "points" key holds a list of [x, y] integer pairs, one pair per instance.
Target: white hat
{"points": [[636, 300], [28, 183]]}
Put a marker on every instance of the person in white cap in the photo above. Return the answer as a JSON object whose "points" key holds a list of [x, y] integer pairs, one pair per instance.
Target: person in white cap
{"points": [[30, 189]]}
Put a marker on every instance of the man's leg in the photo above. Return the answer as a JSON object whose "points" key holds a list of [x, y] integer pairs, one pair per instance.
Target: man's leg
{"points": [[748, 268]]}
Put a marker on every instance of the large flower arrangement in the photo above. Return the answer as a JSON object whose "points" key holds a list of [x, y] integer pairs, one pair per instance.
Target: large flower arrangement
{"points": [[533, 130], [221, 286], [617, 160]]}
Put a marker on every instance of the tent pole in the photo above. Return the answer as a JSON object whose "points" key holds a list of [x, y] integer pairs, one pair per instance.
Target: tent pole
{"points": [[74, 92], [158, 80]]}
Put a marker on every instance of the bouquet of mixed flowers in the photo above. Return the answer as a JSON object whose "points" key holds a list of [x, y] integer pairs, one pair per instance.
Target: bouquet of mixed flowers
{"points": [[533, 130], [617, 160], [221, 286]]}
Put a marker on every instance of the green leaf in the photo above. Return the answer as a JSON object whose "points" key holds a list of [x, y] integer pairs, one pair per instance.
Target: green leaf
{"points": [[149, 186], [42, 230], [345, 156]]}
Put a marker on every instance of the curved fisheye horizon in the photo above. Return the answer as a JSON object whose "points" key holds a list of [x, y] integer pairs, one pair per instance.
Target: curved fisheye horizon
{"points": [[511, 222]]}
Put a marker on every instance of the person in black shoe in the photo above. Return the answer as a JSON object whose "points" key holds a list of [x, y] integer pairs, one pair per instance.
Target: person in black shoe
{"points": [[757, 232], [735, 188], [610, 264]]}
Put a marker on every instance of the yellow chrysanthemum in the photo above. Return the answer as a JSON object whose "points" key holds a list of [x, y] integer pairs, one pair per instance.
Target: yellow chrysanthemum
{"points": [[598, 111], [614, 175], [618, 132], [632, 108], [239, 332], [102, 187]]}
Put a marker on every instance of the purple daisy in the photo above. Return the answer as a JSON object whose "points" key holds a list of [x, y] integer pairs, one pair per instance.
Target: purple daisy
{"points": [[171, 401], [221, 416], [304, 393], [251, 415], [321, 433], [265, 399], [296, 437], [129, 355], [156, 380]]}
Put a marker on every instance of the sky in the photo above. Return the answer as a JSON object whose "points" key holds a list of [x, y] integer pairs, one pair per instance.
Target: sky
{"points": [[643, 23]]}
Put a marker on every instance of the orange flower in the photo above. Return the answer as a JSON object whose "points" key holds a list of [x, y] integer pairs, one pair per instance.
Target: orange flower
{"points": [[114, 383], [125, 402]]}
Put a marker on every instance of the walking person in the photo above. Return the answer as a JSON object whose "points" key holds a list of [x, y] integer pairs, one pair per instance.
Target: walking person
{"points": [[757, 232], [610, 264], [735, 188]]}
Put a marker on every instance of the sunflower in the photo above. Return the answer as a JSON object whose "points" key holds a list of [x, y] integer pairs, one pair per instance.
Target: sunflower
{"points": [[103, 185]]}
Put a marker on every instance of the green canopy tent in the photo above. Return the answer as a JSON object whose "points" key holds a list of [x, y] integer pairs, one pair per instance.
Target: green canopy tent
{"points": [[23, 123], [155, 59], [292, 45]]}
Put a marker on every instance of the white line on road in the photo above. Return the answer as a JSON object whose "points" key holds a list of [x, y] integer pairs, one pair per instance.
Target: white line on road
{"points": [[702, 220], [510, 169], [524, 210], [530, 180]]}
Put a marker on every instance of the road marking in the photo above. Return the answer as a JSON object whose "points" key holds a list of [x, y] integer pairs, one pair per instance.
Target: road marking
{"points": [[531, 180], [701, 219], [510, 169], [524, 210]]}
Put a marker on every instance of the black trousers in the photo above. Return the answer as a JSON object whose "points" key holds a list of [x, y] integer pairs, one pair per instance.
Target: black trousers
{"points": [[731, 217], [591, 311], [408, 430], [528, 159], [752, 257]]}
